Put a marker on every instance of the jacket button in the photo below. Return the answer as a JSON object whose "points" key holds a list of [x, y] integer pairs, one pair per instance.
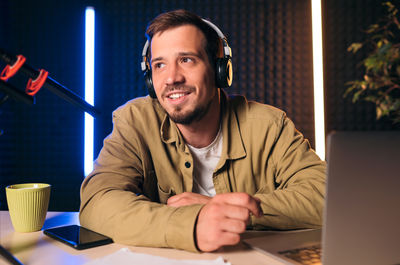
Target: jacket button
{"points": [[187, 164]]}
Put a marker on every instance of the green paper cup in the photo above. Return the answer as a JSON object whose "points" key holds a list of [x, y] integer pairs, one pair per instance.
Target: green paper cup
{"points": [[27, 205]]}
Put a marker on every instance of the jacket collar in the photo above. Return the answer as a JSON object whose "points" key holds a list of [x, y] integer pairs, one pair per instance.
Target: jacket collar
{"points": [[170, 132], [233, 146]]}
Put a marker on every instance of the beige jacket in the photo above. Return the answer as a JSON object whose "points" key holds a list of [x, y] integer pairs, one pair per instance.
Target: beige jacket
{"points": [[144, 161]]}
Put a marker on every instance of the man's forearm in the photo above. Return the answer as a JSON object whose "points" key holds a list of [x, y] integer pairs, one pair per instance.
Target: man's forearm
{"points": [[295, 207], [134, 220]]}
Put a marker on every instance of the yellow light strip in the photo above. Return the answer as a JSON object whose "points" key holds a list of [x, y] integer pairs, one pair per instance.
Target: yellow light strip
{"points": [[318, 73]]}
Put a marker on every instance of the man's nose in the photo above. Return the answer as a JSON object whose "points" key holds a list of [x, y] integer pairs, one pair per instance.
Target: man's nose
{"points": [[174, 75]]}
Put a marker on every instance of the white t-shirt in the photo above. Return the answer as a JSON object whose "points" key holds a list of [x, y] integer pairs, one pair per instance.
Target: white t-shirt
{"points": [[205, 160]]}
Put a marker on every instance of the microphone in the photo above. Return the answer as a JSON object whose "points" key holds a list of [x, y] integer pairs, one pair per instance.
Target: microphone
{"points": [[50, 84]]}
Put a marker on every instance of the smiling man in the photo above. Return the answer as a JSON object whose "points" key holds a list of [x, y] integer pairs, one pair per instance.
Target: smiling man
{"points": [[189, 167], [184, 82]]}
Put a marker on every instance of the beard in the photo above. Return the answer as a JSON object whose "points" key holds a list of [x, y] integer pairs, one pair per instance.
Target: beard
{"points": [[187, 118]]}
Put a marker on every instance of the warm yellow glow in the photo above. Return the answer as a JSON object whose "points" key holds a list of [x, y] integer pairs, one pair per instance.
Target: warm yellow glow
{"points": [[319, 110]]}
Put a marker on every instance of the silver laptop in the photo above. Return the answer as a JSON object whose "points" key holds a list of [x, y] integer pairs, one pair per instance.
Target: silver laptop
{"points": [[362, 207]]}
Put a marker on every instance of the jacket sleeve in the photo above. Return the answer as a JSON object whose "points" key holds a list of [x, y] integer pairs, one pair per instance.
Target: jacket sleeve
{"points": [[120, 199], [299, 178]]}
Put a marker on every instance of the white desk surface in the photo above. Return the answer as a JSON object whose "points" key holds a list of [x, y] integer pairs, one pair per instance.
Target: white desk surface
{"points": [[37, 249]]}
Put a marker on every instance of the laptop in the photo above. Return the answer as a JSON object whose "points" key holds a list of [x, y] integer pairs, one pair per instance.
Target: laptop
{"points": [[361, 223]]}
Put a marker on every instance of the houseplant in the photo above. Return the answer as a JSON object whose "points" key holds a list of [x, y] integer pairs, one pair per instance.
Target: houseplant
{"points": [[381, 81]]}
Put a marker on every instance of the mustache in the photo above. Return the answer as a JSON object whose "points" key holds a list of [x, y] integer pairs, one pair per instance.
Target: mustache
{"points": [[182, 88]]}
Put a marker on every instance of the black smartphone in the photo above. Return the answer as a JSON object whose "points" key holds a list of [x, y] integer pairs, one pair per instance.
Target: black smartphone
{"points": [[77, 236]]}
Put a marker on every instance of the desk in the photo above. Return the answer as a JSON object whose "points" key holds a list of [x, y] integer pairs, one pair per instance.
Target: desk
{"points": [[37, 249]]}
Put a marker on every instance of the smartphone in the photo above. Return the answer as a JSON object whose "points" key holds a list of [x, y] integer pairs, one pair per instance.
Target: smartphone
{"points": [[77, 236]]}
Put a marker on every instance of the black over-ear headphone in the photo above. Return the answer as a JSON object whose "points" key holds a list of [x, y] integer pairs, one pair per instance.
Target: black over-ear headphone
{"points": [[223, 66]]}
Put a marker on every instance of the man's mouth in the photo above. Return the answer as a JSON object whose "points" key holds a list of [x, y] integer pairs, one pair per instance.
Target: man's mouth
{"points": [[176, 95]]}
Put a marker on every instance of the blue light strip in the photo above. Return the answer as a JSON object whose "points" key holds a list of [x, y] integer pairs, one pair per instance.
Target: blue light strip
{"points": [[89, 87]]}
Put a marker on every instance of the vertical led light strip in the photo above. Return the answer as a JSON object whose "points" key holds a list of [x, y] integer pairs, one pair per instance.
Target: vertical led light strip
{"points": [[89, 87], [318, 73]]}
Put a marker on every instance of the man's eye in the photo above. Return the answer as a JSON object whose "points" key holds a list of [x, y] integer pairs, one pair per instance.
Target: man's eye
{"points": [[158, 65], [187, 60]]}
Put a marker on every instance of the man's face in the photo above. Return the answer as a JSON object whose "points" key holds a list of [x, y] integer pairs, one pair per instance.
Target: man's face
{"points": [[183, 78]]}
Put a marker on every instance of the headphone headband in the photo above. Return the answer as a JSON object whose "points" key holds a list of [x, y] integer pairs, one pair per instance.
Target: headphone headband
{"points": [[143, 64], [227, 50]]}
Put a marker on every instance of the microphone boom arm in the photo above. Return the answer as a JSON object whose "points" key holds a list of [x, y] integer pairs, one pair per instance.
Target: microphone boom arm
{"points": [[51, 85]]}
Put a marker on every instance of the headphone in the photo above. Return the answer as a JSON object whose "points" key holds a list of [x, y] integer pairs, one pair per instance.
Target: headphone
{"points": [[223, 65]]}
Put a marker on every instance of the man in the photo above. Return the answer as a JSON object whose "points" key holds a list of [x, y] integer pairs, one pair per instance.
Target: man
{"points": [[192, 168]]}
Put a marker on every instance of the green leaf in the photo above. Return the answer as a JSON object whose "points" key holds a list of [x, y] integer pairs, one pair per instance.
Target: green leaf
{"points": [[354, 47], [371, 98], [380, 81], [378, 113], [372, 28], [391, 8], [384, 47], [356, 95]]}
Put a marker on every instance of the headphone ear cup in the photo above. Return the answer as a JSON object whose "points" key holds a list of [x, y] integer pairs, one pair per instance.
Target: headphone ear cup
{"points": [[224, 72], [149, 84]]}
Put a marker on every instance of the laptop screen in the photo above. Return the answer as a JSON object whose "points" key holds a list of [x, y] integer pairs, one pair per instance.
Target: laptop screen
{"points": [[362, 212]]}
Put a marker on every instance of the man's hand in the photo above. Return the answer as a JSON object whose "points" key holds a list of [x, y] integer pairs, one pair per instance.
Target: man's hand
{"points": [[224, 218], [187, 198]]}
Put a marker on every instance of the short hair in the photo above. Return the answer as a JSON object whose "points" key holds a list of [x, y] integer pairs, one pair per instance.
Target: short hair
{"points": [[180, 17]]}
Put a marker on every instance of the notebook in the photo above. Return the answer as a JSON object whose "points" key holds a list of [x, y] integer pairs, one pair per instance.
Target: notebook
{"points": [[361, 223]]}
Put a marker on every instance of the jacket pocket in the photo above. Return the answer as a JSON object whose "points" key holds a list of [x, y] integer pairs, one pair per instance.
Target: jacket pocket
{"points": [[164, 195]]}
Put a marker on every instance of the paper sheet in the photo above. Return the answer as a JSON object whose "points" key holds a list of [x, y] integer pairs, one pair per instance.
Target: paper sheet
{"points": [[125, 256]]}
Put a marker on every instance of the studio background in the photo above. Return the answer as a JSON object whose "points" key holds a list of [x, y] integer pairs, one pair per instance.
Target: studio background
{"points": [[272, 57]]}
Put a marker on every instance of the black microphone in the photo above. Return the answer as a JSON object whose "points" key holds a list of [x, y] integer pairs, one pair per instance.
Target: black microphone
{"points": [[52, 85]]}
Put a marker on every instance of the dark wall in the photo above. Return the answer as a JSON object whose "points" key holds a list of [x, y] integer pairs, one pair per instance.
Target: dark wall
{"points": [[270, 41], [272, 57], [43, 142], [345, 22]]}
